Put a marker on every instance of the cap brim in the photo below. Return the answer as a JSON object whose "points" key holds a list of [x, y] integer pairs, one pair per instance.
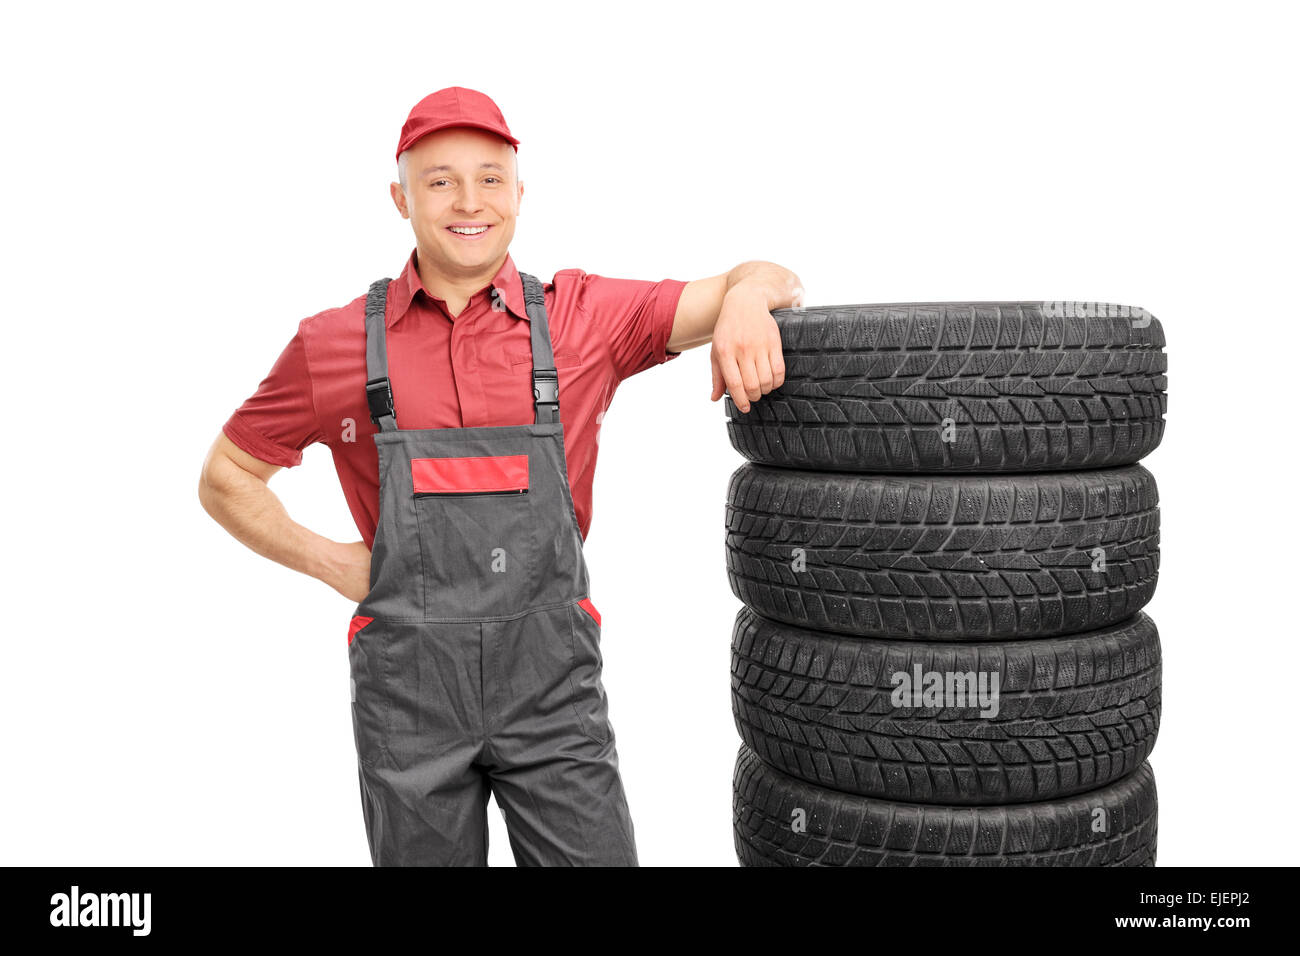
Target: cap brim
{"points": [[481, 126]]}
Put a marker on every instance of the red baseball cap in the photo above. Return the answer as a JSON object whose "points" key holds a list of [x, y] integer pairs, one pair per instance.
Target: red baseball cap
{"points": [[453, 106]]}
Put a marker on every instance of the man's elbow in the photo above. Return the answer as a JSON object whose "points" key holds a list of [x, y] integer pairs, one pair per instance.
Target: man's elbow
{"points": [[212, 486], [223, 475]]}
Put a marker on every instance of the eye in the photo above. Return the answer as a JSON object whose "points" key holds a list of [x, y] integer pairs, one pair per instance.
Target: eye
{"points": [[494, 179], [436, 181]]}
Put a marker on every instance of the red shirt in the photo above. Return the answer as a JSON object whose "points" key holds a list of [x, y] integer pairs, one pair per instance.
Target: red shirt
{"points": [[470, 371]]}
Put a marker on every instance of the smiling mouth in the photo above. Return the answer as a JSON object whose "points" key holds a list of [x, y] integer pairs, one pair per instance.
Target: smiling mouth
{"points": [[468, 232]]}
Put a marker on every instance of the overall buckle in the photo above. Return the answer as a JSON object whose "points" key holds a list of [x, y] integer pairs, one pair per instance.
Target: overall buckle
{"points": [[546, 386], [379, 396]]}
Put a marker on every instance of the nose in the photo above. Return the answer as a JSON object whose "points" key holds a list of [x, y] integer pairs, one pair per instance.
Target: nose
{"points": [[468, 199]]}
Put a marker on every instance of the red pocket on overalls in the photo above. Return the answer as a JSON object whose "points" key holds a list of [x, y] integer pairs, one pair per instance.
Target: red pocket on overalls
{"points": [[590, 608], [358, 622], [487, 474]]}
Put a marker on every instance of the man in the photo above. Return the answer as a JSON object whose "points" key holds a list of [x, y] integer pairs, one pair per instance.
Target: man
{"points": [[474, 647]]}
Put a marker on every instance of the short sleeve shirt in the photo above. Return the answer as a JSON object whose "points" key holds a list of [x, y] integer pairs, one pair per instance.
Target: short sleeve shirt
{"points": [[469, 370]]}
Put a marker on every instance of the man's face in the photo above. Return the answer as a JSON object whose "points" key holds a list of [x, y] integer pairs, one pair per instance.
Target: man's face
{"points": [[465, 178]]}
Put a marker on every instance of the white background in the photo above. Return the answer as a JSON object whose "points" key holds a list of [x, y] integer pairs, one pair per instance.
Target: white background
{"points": [[184, 183]]}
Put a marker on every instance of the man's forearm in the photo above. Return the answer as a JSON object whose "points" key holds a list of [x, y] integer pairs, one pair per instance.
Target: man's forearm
{"points": [[246, 507], [776, 287]]}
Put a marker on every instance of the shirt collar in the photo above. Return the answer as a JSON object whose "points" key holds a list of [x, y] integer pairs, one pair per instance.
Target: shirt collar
{"points": [[506, 283]]}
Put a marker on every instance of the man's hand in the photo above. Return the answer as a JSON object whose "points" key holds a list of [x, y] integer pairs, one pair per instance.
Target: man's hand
{"points": [[746, 354], [734, 311], [233, 490], [351, 574]]}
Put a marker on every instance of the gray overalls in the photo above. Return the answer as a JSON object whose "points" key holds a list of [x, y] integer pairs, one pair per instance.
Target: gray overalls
{"points": [[475, 657]]}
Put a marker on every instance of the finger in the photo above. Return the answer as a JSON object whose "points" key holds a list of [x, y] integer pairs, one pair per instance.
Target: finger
{"points": [[718, 385], [731, 376], [776, 360], [749, 378], [764, 371]]}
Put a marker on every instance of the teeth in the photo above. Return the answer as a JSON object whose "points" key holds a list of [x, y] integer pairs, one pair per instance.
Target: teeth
{"points": [[469, 230]]}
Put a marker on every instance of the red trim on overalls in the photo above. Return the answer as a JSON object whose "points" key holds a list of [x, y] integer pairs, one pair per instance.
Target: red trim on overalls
{"points": [[358, 622], [487, 473], [590, 608]]}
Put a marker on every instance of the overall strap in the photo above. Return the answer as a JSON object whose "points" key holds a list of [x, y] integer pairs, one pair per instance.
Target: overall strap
{"points": [[379, 393], [546, 381], [379, 396]]}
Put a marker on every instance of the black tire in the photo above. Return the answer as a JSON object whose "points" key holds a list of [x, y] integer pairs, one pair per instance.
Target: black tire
{"points": [[959, 387], [843, 829], [966, 557], [1071, 713]]}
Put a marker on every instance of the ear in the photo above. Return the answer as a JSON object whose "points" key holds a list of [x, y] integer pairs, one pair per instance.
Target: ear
{"points": [[399, 199]]}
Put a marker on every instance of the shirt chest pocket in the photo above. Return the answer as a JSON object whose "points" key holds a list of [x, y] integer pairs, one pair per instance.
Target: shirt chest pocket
{"points": [[524, 356]]}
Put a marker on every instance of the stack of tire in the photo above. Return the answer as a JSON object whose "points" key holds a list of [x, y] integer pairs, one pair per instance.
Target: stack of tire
{"points": [[944, 544]]}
